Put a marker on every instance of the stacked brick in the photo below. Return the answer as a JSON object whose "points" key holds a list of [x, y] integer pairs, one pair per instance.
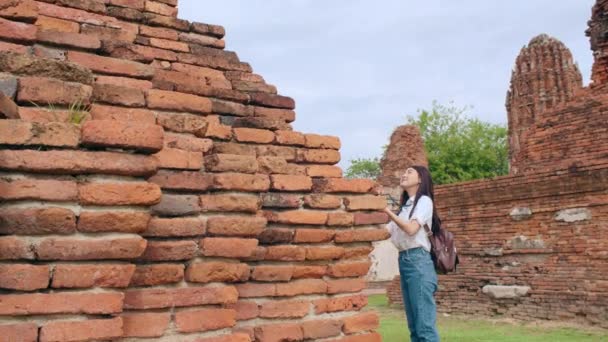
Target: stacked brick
{"points": [[153, 188], [544, 77], [532, 243]]}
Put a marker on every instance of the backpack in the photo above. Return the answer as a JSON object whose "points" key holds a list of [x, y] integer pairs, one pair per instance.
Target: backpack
{"points": [[443, 250]]}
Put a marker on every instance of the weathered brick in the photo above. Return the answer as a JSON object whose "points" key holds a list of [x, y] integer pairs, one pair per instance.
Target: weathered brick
{"points": [[85, 275], [285, 253], [214, 271], [124, 13], [274, 113], [131, 193], [313, 235], [160, 8], [324, 253], [321, 328], [340, 219], [345, 285], [371, 218], [156, 298], [231, 162], [361, 322], [182, 180], [22, 332], [123, 134], [277, 200], [157, 274], [211, 30], [149, 324], [8, 107], [245, 309], [234, 148], [287, 152], [321, 201], [51, 91], [241, 182], [87, 330], [177, 205], [169, 45], [184, 123], [271, 100], [252, 290], [89, 6], [18, 132], [331, 185], [202, 40], [284, 309], [173, 227], [204, 319], [133, 115], [15, 31], [349, 269], [270, 165], [113, 221], [297, 217], [111, 66], [253, 135], [157, 32], [365, 202], [236, 225], [13, 248], [228, 247], [272, 273], [170, 250], [172, 158], [361, 235], [230, 202], [290, 183], [16, 48], [118, 95], [105, 34], [90, 248], [319, 156], [279, 332], [57, 25], [125, 83], [170, 100], [77, 162], [37, 221], [236, 337], [69, 39], [24, 277], [327, 171], [322, 141], [56, 303], [229, 107], [273, 236], [357, 252], [38, 189], [187, 142], [336, 304], [26, 64], [309, 272]]}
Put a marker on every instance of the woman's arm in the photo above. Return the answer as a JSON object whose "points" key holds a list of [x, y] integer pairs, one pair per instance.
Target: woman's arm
{"points": [[409, 228]]}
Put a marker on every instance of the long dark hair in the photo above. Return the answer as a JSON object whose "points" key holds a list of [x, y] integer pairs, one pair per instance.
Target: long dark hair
{"points": [[425, 188]]}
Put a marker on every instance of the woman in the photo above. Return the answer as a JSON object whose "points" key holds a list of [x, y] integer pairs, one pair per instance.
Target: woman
{"points": [[418, 276]]}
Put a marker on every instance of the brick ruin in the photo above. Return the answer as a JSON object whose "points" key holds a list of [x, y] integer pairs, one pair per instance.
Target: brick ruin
{"points": [[533, 243], [152, 187]]}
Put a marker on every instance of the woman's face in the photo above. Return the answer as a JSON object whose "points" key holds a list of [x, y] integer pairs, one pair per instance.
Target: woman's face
{"points": [[409, 178]]}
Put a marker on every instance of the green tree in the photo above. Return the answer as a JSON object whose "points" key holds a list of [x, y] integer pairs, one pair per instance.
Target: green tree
{"points": [[460, 148], [363, 168]]}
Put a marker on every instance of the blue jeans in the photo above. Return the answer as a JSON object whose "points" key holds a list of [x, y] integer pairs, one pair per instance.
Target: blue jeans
{"points": [[418, 285]]}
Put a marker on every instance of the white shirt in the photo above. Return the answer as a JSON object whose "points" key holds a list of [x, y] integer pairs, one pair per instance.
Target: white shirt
{"points": [[422, 214]]}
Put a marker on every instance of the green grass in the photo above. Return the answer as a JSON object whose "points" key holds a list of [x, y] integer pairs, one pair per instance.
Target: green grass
{"points": [[393, 328]]}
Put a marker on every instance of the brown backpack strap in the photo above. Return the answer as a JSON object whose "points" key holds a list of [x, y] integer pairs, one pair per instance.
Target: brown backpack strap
{"points": [[429, 232]]}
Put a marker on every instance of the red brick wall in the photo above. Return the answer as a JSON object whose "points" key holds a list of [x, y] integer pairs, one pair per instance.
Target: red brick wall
{"points": [[183, 206]]}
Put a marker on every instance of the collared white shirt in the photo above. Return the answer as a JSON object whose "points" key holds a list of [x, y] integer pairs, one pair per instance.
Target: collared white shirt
{"points": [[422, 214]]}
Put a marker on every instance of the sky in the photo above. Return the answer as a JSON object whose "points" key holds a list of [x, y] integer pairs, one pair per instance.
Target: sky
{"points": [[357, 68]]}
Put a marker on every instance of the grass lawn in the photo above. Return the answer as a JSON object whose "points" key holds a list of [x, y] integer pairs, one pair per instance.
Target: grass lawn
{"points": [[393, 328]]}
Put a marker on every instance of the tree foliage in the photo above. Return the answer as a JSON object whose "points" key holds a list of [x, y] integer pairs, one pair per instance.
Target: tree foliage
{"points": [[458, 148]]}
